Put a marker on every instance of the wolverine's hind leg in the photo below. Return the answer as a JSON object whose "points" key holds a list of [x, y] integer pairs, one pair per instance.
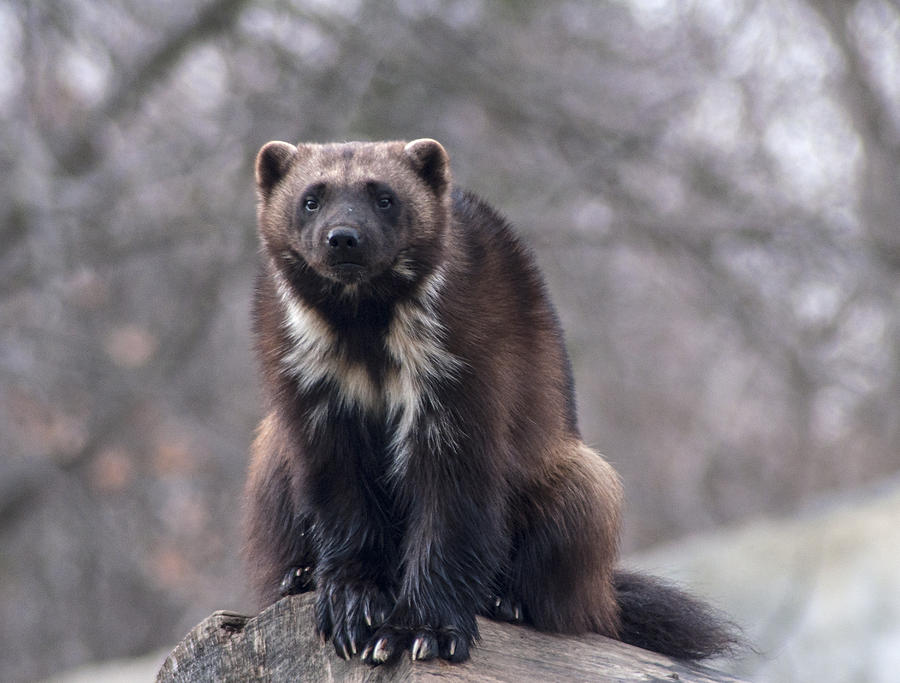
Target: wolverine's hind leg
{"points": [[298, 579], [566, 526], [280, 547]]}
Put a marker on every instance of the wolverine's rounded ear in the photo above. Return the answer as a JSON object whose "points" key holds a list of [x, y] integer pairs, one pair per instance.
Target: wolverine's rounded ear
{"points": [[272, 162], [430, 161]]}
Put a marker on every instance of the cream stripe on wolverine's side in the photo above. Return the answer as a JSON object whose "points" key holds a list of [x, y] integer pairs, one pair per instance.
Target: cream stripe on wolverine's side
{"points": [[415, 341]]}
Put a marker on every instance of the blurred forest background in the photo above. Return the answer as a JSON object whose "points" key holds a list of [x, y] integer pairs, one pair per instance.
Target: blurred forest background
{"points": [[711, 187]]}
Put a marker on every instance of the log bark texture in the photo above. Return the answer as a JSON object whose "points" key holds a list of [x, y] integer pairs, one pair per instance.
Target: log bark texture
{"points": [[280, 644]]}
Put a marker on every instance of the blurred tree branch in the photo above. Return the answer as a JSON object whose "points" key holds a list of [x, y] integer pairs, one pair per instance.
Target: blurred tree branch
{"points": [[880, 186], [78, 151]]}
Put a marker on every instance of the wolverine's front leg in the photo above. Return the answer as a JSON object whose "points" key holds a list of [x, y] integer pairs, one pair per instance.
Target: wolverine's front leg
{"points": [[357, 547], [354, 589], [454, 542]]}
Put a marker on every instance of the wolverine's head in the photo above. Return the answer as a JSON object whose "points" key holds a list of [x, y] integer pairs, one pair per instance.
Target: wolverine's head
{"points": [[356, 212]]}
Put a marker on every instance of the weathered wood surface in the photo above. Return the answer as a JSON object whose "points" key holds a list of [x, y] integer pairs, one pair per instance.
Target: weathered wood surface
{"points": [[280, 645]]}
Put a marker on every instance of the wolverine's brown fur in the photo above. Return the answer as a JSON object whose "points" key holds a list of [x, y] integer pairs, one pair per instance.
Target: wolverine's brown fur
{"points": [[420, 458]]}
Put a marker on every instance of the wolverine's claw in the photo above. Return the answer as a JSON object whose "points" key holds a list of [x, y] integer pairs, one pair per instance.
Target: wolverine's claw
{"points": [[424, 648], [417, 646], [382, 651]]}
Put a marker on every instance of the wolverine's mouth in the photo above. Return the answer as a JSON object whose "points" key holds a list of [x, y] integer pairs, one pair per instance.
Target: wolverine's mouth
{"points": [[349, 266], [348, 271]]}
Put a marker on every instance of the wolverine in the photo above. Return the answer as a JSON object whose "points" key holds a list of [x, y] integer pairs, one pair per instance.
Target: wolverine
{"points": [[420, 461]]}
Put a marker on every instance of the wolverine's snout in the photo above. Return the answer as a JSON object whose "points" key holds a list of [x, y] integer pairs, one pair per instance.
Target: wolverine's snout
{"points": [[344, 239], [346, 247], [346, 252]]}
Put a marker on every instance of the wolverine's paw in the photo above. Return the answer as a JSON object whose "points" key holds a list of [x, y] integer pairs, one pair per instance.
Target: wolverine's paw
{"points": [[424, 643], [503, 608], [297, 580], [349, 614]]}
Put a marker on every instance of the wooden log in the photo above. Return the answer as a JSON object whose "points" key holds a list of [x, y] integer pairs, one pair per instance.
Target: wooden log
{"points": [[280, 644]]}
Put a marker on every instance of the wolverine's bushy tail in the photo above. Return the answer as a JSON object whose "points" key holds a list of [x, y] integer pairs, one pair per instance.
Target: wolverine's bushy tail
{"points": [[657, 616]]}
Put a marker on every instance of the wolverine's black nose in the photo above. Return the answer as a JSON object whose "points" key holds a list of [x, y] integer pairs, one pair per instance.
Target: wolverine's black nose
{"points": [[343, 238]]}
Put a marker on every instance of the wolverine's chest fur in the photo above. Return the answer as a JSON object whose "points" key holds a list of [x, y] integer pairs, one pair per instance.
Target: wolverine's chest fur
{"points": [[388, 366]]}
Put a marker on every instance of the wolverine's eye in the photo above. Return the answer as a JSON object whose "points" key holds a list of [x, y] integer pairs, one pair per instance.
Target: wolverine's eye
{"points": [[311, 204], [384, 202]]}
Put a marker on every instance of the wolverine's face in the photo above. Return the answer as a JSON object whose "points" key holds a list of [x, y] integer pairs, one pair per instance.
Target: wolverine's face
{"points": [[349, 231], [353, 211]]}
